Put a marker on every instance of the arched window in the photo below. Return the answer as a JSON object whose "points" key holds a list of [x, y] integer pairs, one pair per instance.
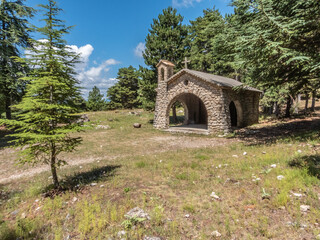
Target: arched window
{"points": [[162, 74]]}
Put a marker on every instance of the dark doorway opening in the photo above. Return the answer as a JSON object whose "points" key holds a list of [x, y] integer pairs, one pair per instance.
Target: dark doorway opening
{"points": [[191, 114], [233, 114]]}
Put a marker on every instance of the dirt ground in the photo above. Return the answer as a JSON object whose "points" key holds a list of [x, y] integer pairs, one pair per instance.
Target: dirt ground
{"points": [[9, 171]]}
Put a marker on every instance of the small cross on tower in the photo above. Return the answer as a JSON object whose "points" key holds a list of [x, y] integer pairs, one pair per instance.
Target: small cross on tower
{"points": [[186, 61]]}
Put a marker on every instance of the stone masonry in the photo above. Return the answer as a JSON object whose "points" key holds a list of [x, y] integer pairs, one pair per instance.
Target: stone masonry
{"points": [[206, 99]]}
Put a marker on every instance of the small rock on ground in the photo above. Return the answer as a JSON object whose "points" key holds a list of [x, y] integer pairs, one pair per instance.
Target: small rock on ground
{"points": [[216, 234], [151, 238], [103, 127], [304, 208], [280, 177], [137, 125], [121, 233], [137, 213]]}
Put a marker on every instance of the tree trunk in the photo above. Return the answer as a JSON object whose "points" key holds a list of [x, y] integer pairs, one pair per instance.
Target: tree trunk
{"points": [[288, 108], [307, 103], [8, 109], [174, 113], [313, 104], [276, 109], [54, 167], [296, 105]]}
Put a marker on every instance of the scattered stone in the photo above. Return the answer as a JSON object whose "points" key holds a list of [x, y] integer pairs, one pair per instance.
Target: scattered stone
{"points": [[304, 208], [256, 179], [280, 177], [187, 215], [137, 125], [121, 233], [151, 238], [303, 225], [235, 156], [299, 151], [37, 200], [215, 196], [273, 165], [74, 199], [15, 212], [137, 213], [297, 195], [264, 152], [110, 119], [216, 234], [103, 127], [282, 208], [23, 215], [82, 119], [102, 186], [245, 153], [93, 184], [80, 167], [38, 208], [160, 161]]}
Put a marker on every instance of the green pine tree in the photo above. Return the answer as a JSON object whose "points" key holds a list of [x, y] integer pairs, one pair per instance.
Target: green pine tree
{"points": [[14, 34], [124, 94], [95, 100], [167, 39], [147, 88], [205, 31], [47, 110]]}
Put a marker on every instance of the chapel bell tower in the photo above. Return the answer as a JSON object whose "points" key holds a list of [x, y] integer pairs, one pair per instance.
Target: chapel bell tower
{"points": [[165, 70]]}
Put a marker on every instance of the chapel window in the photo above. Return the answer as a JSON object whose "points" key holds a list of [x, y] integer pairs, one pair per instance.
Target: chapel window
{"points": [[162, 74]]}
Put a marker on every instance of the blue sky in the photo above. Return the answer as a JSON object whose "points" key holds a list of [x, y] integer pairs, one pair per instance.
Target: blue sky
{"points": [[110, 34]]}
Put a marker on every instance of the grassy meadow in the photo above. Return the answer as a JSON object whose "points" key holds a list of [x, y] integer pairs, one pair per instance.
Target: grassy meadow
{"points": [[260, 178]]}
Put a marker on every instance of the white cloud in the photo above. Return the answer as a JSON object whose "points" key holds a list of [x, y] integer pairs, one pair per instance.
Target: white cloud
{"points": [[92, 76], [88, 76], [140, 48], [184, 3]]}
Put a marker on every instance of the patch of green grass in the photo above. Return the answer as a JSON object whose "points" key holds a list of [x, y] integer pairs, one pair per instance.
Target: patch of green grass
{"points": [[190, 208], [141, 164], [167, 183]]}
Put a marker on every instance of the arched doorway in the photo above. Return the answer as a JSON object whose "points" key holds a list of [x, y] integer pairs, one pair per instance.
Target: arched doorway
{"points": [[178, 114], [233, 114], [195, 112]]}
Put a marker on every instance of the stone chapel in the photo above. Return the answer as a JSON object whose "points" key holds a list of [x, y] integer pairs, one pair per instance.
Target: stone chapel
{"points": [[210, 102]]}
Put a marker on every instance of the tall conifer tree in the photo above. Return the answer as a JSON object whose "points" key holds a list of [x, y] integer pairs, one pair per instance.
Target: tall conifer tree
{"points": [[48, 108], [95, 100], [167, 39], [14, 33]]}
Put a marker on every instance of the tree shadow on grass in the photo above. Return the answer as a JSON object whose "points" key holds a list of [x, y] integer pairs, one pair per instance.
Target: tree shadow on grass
{"points": [[297, 130], [310, 162], [78, 181]]}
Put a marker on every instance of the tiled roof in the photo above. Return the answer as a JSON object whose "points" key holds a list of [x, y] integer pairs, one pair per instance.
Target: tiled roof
{"points": [[215, 79], [165, 62]]}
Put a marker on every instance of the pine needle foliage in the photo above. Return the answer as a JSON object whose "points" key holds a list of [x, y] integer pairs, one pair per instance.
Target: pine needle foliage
{"points": [[14, 34], [95, 100], [48, 110]]}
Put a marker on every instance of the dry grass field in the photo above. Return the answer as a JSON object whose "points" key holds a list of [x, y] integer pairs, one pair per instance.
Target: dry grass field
{"points": [[262, 177]]}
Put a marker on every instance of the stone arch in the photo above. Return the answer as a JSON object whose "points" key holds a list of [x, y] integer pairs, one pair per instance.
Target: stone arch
{"points": [[189, 102], [235, 114]]}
